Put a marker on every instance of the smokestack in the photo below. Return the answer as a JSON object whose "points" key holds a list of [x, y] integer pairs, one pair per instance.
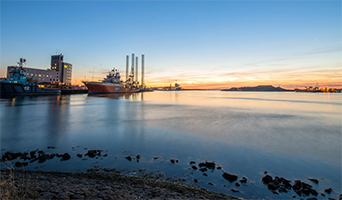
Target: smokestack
{"points": [[136, 69], [132, 69], [142, 70], [127, 63]]}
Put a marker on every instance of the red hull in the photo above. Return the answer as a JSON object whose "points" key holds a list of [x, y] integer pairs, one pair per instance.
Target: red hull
{"points": [[98, 87]]}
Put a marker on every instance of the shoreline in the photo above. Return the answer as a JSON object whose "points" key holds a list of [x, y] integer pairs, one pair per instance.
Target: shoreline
{"points": [[94, 185]]}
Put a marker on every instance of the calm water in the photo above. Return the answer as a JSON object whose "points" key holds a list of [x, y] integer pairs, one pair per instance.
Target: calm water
{"points": [[293, 135]]}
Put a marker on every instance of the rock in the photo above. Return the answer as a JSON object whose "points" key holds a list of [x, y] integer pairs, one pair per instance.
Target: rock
{"points": [[194, 167], [282, 189], [21, 164], [243, 180], [46, 195], [311, 198], [65, 156], [234, 190], [277, 179], [273, 185], [209, 165], [306, 191], [41, 152], [195, 180], [172, 161], [204, 174], [298, 192], [33, 160], [306, 186], [286, 182], [218, 167], [266, 179], [79, 155], [192, 162], [230, 177], [59, 155], [33, 154], [265, 172], [328, 190], [313, 180], [52, 156], [313, 192], [10, 156], [322, 194], [203, 169], [49, 147], [42, 157], [138, 157], [128, 158], [210, 183], [297, 185], [237, 184], [93, 153]]}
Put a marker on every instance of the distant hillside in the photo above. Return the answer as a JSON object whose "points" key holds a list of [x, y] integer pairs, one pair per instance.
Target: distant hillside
{"points": [[257, 88]]}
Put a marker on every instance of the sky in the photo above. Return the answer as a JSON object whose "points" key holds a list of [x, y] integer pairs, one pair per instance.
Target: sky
{"points": [[199, 44]]}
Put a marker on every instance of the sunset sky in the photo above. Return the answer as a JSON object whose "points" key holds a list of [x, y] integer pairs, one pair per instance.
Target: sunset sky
{"points": [[201, 44]]}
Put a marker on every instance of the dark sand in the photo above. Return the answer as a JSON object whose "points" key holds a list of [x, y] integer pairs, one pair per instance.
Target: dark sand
{"points": [[59, 185]]}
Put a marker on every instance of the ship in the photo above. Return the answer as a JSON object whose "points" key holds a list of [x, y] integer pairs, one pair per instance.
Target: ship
{"points": [[171, 88], [18, 84], [113, 84]]}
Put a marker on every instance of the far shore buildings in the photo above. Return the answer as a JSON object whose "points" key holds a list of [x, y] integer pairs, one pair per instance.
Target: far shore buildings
{"points": [[60, 72]]}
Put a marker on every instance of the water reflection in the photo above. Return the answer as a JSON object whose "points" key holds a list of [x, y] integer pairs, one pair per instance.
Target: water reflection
{"points": [[112, 96], [246, 133]]}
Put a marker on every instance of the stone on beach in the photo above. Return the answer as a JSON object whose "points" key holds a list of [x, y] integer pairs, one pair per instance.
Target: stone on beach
{"points": [[229, 177], [65, 156], [266, 179]]}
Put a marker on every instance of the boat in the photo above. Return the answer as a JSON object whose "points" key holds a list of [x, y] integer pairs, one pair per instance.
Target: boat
{"points": [[171, 88], [113, 84], [18, 84]]}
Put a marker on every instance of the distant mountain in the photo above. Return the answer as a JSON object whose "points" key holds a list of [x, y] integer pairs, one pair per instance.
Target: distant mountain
{"points": [[257, 88]]}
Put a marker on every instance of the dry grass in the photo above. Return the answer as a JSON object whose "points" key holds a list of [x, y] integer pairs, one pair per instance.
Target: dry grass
{"points": [[14, 188]]}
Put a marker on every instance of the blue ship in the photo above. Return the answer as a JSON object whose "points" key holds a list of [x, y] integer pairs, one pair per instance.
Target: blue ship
{"points": [[18, 84]]}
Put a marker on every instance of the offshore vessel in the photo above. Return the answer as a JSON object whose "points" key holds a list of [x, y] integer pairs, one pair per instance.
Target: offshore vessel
{"points": [[18, 84], [113, 84]]}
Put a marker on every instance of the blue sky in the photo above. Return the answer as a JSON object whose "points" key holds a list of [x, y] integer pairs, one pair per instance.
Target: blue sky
{"points": [[200, 43]]}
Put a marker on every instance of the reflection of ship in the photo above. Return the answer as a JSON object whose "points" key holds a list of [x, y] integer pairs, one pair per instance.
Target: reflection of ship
{"points": [[113, 84], [18, 84], [111, 95]]}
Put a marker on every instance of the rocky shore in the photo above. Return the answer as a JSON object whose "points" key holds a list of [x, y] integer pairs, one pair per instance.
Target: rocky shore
{"points": [[109, 183], [58, 185]]}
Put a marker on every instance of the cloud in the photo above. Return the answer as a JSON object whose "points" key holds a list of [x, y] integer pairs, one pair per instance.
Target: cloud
{"points": [[330, 49]]}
